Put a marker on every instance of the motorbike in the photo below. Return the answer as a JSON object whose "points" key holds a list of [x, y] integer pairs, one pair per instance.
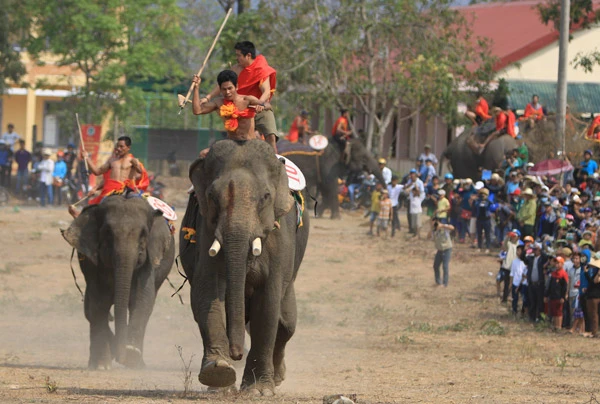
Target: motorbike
{"points": [[156, 187]]}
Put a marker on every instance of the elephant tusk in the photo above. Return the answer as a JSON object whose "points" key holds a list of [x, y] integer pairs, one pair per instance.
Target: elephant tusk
{"points": [[214, 248], [256, 247]]}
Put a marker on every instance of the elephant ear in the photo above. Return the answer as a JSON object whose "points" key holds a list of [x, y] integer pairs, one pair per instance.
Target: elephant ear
{"points": [[283, 198], [83, 233], [198, 178]]}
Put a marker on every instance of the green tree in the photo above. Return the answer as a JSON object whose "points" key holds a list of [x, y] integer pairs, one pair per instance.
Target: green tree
{"points": [[111, 42], [13, 22]]}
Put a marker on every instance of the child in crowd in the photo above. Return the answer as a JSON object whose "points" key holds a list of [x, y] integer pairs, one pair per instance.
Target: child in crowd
{"points": [[557, 291], [416, 210], [375, 200], [385, 213]]}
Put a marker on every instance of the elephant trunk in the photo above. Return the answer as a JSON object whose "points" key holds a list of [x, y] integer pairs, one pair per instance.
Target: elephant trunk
{"points": [[124, 266], [237, 247], [373, 166]]}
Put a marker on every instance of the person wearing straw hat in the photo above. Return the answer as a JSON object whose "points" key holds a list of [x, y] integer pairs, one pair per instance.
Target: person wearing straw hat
{"points": [[527, 214]]}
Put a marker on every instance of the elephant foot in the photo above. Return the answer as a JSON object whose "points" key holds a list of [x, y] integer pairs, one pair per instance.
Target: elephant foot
{"points": [[217, 373], [259, 389], [101, 364], [279, 374], [133, 358], [336, 217]]}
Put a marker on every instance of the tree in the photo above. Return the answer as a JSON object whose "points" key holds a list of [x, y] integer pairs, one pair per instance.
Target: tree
{"points": [[111, 42], [582, 14], [375, 55], [12, 23]]}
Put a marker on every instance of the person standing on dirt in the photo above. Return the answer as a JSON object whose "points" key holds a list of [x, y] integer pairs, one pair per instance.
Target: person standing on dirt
{"points": [[23, 158], [394, 190], [70, 157], [443, 244], [536, 279], [5, 164]]}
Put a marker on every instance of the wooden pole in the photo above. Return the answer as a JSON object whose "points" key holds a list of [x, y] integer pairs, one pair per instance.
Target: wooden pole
{"points": [[183, 101], [81, 141]]}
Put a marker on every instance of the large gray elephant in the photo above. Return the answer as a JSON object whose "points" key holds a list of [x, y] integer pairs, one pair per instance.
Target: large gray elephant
{"points": [[126, 251], [243, 261], [465, 163], [322, 169]]}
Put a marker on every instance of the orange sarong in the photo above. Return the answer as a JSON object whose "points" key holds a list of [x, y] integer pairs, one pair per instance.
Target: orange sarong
{"points": [[114, 187]]}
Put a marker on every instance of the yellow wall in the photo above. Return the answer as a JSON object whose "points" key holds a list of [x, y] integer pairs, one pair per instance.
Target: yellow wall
{"points": [[13, 111], [543, 64]]}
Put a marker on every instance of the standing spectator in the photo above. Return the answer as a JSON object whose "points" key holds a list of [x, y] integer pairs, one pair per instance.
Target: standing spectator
{"points": [[58, 176], [385, 213], [588, 165], [518, 277], [386, 173], [505, 216], [10, 137], [510, 247], [428, 155], [416, 197], [394, 190], [592, 276], [5, 164], [574, 284], [23, 158], [413, 182], [443, 245], [527, 213], [430, 173], [449, 186], [547, 220], [483, 219], [375, 207], [70, 158], [465, 212], [536, 282], [46, 168], [443, 207], [556, 292]]}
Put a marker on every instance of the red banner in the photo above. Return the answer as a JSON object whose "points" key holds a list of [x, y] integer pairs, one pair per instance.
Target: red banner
{"points": [[91, 135]]}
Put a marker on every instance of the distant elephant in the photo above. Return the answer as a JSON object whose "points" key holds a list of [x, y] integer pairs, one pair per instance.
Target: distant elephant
{"points": [[126, 251], [322, 169], [465, 163], [243, 261]]}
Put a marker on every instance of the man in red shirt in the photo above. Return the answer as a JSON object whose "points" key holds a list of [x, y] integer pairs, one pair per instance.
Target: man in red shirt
{"points": [[299, 128], [591, 129], [480, 109], [255, 78], [533, 111], [341, 131], [505, 124]]}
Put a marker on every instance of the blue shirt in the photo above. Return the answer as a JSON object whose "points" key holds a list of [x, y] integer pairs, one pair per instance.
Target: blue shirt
{"points": [[511, 187], [423, 171], [4, 155], [589, 167], [60, 169]]}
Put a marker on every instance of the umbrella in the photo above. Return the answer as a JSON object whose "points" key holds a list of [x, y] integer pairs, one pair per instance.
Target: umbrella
{"points": [[550, 167]]}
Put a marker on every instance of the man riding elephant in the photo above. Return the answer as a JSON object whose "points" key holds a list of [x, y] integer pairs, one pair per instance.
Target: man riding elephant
{"points": [[505, 124], [255, 78]]}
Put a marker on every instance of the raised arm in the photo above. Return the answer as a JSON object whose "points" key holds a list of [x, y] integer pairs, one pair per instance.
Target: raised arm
{"points": [[201, 106]]}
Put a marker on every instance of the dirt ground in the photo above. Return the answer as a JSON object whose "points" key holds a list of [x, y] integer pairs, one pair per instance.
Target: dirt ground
{"points": [[371, 323]]}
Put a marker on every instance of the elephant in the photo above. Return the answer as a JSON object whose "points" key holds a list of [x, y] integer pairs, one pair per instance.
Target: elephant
{"points": [[126, 250], [465, 162], [322, 169], [243, 261]]}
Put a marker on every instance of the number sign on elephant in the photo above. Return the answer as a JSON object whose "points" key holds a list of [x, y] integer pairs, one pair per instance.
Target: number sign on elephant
{"points": [[296, 180]]}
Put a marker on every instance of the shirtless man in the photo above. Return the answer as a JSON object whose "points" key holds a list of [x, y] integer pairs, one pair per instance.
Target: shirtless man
{"points": [[120, 171], [232, 104], [257, 79]]}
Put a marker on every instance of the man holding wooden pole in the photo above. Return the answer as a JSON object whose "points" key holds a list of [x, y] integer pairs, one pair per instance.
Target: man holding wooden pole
{"points": [[255, 78]]}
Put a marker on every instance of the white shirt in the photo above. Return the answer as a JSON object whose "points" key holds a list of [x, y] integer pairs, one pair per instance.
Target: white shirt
{"points": [[394, 192], [415, 203], [10, 139], [423, 157], [46, 168], [517, 272], [386, 173]]}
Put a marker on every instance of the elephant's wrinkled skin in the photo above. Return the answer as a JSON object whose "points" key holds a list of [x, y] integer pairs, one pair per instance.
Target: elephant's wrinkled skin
{"points": [[465, 162], [324, 175], [242, 188], [126, 251]]}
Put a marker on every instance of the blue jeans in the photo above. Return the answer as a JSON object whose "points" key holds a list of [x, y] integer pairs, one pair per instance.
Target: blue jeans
{"points": [[516, 291], [46, 190], [442, 257], [463, 227], [22, 180], [484, 225], [351, 189]]}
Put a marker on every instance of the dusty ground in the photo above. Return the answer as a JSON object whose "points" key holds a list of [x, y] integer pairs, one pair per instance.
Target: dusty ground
{"points": [[370, 323]]}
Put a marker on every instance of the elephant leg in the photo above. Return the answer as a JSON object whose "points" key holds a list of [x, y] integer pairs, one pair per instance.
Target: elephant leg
{"points": [[330, 199], [208, 295], [285, 331], [97, 303], [142, 300], [259, 373]]}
